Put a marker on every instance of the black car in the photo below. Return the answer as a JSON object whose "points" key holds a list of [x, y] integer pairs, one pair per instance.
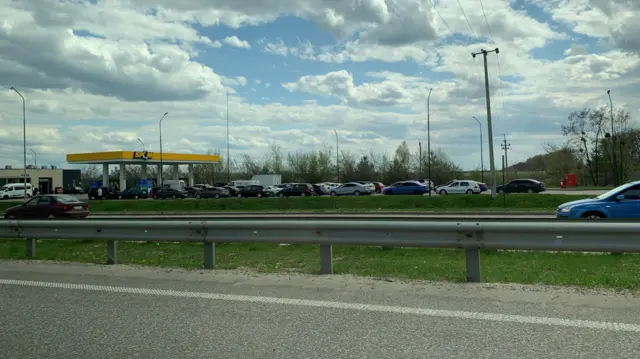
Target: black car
{"points": [[317, 190], [212, 192], [233, 191], [102, 193], [134, 193], [297, 189], [522, 186], [191, 191], [169, 193], [252, 191]]}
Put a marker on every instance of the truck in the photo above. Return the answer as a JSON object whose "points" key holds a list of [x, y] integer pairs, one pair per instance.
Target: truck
{"points": [[243, 183], [175, 184], [268, 180]]}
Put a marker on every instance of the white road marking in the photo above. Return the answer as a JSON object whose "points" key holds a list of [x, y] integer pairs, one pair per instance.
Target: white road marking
{"points": [[494, 317]]}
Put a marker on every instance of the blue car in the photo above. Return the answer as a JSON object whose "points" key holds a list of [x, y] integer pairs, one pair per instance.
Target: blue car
{"points": [[406, 187], [622, 202]]}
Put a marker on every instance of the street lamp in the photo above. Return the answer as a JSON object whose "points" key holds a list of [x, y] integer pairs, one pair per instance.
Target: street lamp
{"points": [[35, 158], [613, 143], [337, 158], [24, 138], [481, 151], [161, 176], [429, 139], [142, 143]]}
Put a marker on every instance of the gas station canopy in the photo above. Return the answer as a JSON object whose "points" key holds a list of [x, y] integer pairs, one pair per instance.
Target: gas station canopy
{"points": [[140, 158]]}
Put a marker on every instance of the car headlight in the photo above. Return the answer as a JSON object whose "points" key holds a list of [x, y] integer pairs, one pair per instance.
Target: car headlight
{"points": [[566, 209]]}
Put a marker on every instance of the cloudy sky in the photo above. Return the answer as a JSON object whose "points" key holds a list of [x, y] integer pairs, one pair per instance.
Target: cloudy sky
{"points": [[97, 75]]}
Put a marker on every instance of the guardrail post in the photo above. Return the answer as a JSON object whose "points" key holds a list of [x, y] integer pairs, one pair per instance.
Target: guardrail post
{"points": [[326, 259], [31, 247], [112, 252], [209, 255], [473, 264]]}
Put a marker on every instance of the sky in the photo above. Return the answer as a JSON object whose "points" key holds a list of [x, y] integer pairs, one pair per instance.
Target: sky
{"points": [[98, 75]]}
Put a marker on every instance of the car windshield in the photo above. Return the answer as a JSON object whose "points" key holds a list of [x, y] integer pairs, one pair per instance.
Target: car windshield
{"points": [[67, 199], [615, 190], [4, 188]]}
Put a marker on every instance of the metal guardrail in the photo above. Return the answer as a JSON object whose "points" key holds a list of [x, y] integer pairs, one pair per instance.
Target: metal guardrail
{"points": [[470, 236]]}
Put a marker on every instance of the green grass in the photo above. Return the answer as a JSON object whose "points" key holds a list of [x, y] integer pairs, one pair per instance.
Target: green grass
{"points": [[362, 203], [587, 270], [581, 188]]}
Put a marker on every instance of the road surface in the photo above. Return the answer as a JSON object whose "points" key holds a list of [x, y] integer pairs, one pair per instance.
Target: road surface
{"points": [[81, 311], [328, 216]]}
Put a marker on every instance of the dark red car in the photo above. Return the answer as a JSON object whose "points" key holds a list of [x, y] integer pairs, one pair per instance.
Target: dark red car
{"points": [[49, 206]]}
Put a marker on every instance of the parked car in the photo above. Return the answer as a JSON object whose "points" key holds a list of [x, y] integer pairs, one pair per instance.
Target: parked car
{"points": [[379, 186], [368, 185], [406, 187], [169, 193], [252, 191], [522, 186], [483, 187], [273, 190], [622, 202], [212, 192], [318, 190], [458, 187], [351, 189], [191, 190], [103, 193], [134, 193], [426, 182], [73, 190], [49, 206], [296, 189], [233, 191]]}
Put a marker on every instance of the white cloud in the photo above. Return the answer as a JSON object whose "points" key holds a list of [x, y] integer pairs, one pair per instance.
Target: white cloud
{"points": [[236, 42]]}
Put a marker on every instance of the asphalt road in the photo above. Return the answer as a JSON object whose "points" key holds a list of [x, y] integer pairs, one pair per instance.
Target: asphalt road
{"points": [[79, 311], [330, 216]]}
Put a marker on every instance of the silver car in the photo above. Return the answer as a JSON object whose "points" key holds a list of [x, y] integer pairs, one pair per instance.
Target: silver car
{"points": [[350, 189]]}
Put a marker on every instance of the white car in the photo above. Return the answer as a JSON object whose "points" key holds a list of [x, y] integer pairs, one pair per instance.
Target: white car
{"points": [[369, 185], [350, 189], [273, 190], [459, 187]]}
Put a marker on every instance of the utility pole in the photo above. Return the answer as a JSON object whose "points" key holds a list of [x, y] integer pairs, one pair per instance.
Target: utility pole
{"points": [[337, 158], [481, 151], [489, 126], [420, 157], [35, 158], [228, 147], [161, 154], [429, 140], [505, 147]]}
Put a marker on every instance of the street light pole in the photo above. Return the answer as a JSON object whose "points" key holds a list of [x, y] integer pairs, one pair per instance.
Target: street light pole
{"points": [[161, 155], [429, 139], [613, 143], [228, 145], [142, 143], [481, 151], [24, 138], [337, 158], [35, 158]]}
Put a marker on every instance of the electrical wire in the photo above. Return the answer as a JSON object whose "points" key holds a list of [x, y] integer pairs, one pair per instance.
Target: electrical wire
{"points": [[466, 18], [486, 21], [442, 18]]}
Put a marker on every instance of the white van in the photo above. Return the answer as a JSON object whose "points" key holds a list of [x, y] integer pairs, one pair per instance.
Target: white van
{"points": [[15, 190]]}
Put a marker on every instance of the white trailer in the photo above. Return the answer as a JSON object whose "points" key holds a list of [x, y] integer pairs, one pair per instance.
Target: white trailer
{"points": [[268, 180]]}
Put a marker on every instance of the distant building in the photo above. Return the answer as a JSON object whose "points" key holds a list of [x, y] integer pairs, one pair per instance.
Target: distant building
{"points": [[45, 178]]}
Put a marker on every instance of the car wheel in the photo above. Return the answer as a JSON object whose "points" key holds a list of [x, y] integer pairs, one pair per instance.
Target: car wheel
{"points": [[5, 197], [281, 195], [174, 196], [442, 192], [593, 215], [198, 196], [51, 216], [239, 195], [333, 194], [9, 216], [500, 190], [155, 196], [216, 196], [302, 194], [259, 195], [136, 197], [530, 190], [356, 193], [469, 191], [119, 197]]}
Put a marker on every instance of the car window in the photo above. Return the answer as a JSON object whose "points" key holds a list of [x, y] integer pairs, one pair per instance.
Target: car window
{"points": [[45, 200], [632, 193], [464, 184], [32, 202], [454, 184], [67, 199], [409, 184]]}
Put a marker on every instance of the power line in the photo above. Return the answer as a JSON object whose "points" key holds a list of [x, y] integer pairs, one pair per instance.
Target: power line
{"points": [[442, 18], [466, 18], [486, 21]]}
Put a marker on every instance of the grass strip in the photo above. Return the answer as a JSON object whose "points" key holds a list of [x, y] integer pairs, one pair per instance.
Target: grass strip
{"points": [[589, 270], [363, 203]]}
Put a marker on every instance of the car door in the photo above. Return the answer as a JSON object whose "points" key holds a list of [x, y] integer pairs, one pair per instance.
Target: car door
{"points": [[44, 207], [345, 189], [454, 187], [29, 209], [512, 187], [463, 187], [629, 207]]}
